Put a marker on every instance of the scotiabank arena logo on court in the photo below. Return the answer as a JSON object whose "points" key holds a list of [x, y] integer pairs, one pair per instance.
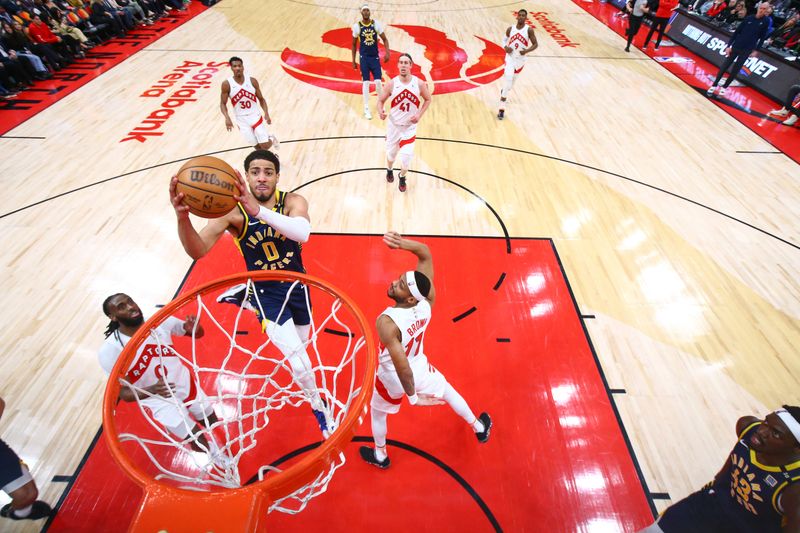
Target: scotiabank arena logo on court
{"points": [[449, 71]]}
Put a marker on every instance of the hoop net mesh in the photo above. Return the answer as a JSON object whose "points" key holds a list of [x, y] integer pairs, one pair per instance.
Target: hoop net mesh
{"points": [[227, 367]]}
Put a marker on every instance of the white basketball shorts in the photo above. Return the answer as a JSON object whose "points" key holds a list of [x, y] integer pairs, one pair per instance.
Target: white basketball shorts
{"points": [[388, 393], [254, 129], [400, 142]]}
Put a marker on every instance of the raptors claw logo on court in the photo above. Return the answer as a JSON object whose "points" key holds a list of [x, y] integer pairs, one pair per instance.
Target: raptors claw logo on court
{"points": [[446, 57]]}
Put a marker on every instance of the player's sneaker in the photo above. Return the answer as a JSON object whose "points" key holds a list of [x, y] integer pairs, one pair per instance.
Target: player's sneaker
{"points": [[39, 510], [367, 114], [782, 112], [721, 91], [368, 454], [501, 114], [711, 90], [790, 121], [235, 295], [483, 436], [402, 185], [390, 176]]}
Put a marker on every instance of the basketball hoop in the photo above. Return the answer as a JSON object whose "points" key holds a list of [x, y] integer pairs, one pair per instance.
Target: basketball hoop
{"points": [[264, 453]]}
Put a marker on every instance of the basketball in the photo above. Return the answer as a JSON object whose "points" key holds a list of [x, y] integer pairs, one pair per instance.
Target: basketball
{"points": [[208, 185]]}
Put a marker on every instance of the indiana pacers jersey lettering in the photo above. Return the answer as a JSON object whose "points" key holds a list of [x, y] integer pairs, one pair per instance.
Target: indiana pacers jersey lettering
{"points": [[405, 101], [518, 40], [265, 248], [243, 98], [412, 322], [754, 489], [368, 38]]}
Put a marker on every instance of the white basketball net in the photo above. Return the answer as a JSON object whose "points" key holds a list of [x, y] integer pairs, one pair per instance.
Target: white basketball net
{"points": [[249, 386]]}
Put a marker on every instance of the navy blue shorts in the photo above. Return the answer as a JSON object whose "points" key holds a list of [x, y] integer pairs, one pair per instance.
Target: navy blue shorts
{"points": [[704, 512], [10, 465], [370, 64], [272, 295]]}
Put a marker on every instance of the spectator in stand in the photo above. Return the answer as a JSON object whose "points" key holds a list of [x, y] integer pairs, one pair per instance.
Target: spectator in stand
{"points": [[66, 46], [637, 9], [745, 40], [63, 29], [34, 61], [732, 18], [779, 36], [716, 9], [103, 17], [18, 40], [792, 106], [663, 12], [13, 73]]}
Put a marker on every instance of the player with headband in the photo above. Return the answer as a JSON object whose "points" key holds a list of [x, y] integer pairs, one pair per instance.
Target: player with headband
{"points": [[757, 488], [403, 366]]}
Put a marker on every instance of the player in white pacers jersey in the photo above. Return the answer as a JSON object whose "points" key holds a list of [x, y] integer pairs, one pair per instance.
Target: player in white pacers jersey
{"points": [[403, 366], [409, 98], [518, 42], [245, 95], [171, 396]]}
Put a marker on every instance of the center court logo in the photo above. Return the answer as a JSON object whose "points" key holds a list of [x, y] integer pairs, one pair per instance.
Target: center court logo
{"points": [[449, 71]]}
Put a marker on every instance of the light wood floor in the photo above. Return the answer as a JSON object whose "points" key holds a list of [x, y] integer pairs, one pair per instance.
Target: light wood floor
{"points": [[697, 314]]}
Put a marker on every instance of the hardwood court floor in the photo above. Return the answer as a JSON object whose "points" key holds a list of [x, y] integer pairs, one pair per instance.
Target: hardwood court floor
{"points": [[684, 251]]}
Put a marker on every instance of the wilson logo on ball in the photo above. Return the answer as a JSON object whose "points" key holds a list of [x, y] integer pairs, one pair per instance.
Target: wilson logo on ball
{"points": [[448, 62]]}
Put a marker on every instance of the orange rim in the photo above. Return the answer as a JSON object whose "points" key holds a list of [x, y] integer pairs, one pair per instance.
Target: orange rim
{"points": [[294, 477]]}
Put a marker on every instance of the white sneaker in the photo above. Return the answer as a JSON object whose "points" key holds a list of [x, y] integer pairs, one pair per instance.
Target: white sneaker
{"points": [[721, 91], [275, 143], [367, 114], [711, 90], [790, 121], [782, 112]]}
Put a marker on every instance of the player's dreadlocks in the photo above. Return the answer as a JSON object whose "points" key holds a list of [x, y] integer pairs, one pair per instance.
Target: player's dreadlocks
{"points": [[113, 325]]}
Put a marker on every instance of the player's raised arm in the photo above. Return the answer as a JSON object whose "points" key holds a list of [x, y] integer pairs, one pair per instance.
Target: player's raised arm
{"points": [[225, 93], [295, 224], [196, 244], [389, 335], [424, 257]]}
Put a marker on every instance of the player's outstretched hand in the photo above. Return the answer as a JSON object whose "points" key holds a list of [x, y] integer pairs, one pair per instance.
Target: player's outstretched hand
{"points": [[189, 326], [428, 399], [162, 388], [245, 197], [392, 239], [176, 198]]}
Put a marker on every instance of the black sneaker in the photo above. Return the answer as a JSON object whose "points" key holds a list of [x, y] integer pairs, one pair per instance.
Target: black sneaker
{"points": [[368, 454], [483, 436], [402, 185], [235, 295], [389, 176], [40, 510], [501, 114]]}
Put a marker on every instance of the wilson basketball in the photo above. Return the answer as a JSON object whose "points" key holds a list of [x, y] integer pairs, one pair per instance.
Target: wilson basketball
{"points": [[208, 185]]}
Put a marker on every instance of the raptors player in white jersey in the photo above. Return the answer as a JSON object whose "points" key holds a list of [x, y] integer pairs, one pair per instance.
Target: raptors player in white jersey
{"points": [[245, 95], [518, 42], [175, 402], [403, 367], [409, 98]]}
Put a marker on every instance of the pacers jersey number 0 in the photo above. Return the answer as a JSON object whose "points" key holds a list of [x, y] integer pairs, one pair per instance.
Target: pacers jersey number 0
{"points": [[265, 248]]}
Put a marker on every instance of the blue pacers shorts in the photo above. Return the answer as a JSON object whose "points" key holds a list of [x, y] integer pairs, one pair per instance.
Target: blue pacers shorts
{"points": [[370, 64], [272, 295], [705, 512], [10, 467]]}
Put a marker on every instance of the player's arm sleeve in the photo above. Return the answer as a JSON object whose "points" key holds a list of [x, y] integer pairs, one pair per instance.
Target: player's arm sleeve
{"points": [[174, 325], [355, 30], [378, 27], [389, 335], [296, 226]]}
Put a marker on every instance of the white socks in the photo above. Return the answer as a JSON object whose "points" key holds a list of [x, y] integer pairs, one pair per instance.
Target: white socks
{"points": [[365, 91], [459, 405], [379, 429], [25, 511], [287, 338]]}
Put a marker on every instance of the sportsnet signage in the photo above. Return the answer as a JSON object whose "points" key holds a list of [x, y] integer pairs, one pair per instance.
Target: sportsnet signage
{"points": [[763, 71]]}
